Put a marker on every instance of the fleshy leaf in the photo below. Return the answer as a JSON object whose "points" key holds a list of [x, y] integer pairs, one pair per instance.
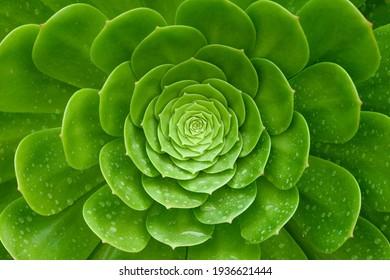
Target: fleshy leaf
{"points": [[169, 193], [221, 22], [233, 97], [146, 89], [63, 45], [252, 127], [82, 135], [289, 154], [13, 128], [114, 7], [270, 211], [208, 183], [225, 204], [281, 247], [8, 193], [377, 218], [226, 244], [153, 251], [367, 243], [327, 98], [375, 91], [64, 236], [274, 97], [123, 177], [114, 222], [167, 168], [329, 206], [193, 69], [376, 11], [177, 227], [122, 35], [349, 41], [135, 147], [252, 166], [285, 42], [23, 88], [115, 97], [366, 156], [234, 63], [45, 179], [166, 45], [166, 8]]}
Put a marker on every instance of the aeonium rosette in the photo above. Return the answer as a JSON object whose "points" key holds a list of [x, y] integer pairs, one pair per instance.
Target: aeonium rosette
{"points": [[189, 127]]}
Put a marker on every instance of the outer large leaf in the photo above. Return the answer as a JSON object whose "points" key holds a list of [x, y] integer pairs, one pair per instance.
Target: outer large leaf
{"points": [[285, 42], [348, 41], [23, 88], [327, 98], [329, 206], [27, 235], [226, 244], [114, 222], [281, 247], [63, 46], [221, 22], [269, 212], [45, 179], [367, 157], [82, 135], [15, 126]]}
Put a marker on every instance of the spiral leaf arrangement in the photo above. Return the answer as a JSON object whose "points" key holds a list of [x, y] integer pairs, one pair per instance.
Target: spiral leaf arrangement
{"points": [[198, 129]]}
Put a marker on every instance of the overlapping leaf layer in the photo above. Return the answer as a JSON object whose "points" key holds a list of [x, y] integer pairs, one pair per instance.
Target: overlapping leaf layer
{"points": [[198, 129]]}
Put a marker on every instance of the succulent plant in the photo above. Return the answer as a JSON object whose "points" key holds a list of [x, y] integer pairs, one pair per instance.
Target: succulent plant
{"points": [[195, 129]]}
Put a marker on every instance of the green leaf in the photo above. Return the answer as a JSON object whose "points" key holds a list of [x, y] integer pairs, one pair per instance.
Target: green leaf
{"points": [[8, 193], [226, 244], [271, 210], [234, 63], [153, 251], [62, 48], [192, 69], [45, 179], [327, 98], [115, 97], [166, 8], [123, 176], [366, 156], [166, 45], [329, 206], [274, 97], [23, 88], [368, 243], [243, 4], [82, 135], [122, 35], [169, 193], [15, 13], [114, 222], [376, 11], [252, 127], [375, 91], [225, 204], [64, 236], [289, 154], [221, 22], [232, 95], [285, 43], [166, 167], [177, 227], [114, 7], [281, 247], [150, 126], [292, 5], [379, 219], [135, 148], [208, 183], [252, 166], [146, 89], [337, 32], [13, 128]]}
